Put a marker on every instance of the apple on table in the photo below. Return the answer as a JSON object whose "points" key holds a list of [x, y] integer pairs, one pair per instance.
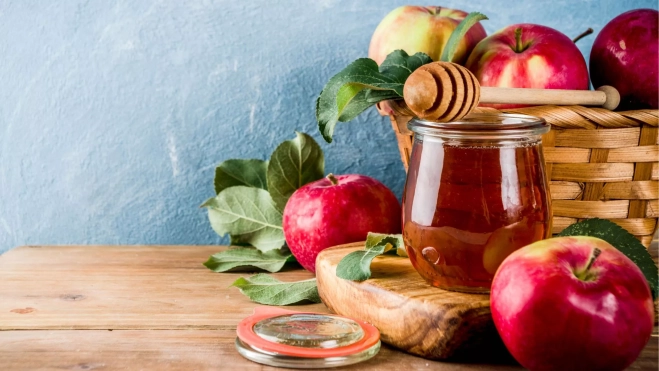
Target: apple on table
{"points": [[336, 210], [572, 303]]}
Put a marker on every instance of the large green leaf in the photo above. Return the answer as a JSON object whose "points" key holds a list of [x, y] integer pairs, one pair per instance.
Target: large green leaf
{"points": [[622, 240], [335, 98], [293, 164], [248, 257], [249, 215], [235, 172], [265, 289], [362, 84], [356, 266]]}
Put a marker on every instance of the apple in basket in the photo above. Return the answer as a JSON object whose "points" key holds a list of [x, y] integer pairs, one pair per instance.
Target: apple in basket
{"points": [[624, 56], [528, 56], [336, 210], [572, 303], [422, 29]]}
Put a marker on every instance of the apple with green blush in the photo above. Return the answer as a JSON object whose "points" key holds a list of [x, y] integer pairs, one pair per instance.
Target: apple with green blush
{"points": [[422, 29], [572, 303], [528, 56]]}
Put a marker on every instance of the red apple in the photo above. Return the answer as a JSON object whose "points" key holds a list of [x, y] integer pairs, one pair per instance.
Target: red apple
{"points": [[624, 56], [572, 303], [422, 29], [528, 56], [337, 210]]}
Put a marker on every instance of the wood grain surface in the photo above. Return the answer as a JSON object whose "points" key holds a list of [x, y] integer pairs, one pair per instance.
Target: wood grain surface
{"points": [[121, 287], [410, 314], [146, 307]]}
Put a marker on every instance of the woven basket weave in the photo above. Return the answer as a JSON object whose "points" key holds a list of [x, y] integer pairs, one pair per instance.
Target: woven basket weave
{"points": [[599, 163]]}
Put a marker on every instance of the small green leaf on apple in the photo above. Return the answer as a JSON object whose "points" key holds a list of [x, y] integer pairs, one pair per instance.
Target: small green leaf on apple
{"points": [[293, 164], [235, 172], [249, 215], [622, 240], [459, 33], [265, 289], [248, 257], [356, 266]]}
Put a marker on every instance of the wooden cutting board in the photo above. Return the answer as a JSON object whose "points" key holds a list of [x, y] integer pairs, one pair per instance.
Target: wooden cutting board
{"points": [[410, 314]]}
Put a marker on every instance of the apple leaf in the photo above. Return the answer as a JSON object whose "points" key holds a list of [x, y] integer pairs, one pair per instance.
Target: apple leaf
{"points": [[362, 84], [356, 266], [248, 257], [458, 34], [293, 164], [235, 172], [249, 215], [622, 240], [398, 66], [265, 289]]}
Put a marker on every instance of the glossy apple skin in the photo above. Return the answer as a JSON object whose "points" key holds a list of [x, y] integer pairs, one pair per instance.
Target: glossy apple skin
{"points": [[320, 215], [550, 60], [551, 320], [624, 56], [422, 29]]}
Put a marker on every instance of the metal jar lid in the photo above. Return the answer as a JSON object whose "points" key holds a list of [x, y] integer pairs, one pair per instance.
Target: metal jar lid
{"points": [[283, 338]]}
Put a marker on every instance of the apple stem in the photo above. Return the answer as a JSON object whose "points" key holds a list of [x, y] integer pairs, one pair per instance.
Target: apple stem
{"points": [[518, 40], [593, 257], [586, 274], [332, 179], [435, 10], [582, 35]]}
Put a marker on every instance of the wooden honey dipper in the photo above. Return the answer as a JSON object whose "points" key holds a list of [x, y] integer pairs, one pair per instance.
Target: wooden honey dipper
{"points": [[444, 91]]}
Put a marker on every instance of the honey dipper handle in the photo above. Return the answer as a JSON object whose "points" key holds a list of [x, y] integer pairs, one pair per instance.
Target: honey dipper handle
{"points": [[605, 96]]}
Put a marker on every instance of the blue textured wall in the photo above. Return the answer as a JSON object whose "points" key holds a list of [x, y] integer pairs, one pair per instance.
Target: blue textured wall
{"points": [[113, 114]]}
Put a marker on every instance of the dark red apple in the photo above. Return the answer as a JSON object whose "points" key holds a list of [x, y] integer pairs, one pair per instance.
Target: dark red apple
{"points": [[624, 56], [337, 210], [528, 56], [572, 303]]}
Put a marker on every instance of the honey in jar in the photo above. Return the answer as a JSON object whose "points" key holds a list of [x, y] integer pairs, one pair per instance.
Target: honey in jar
{"points": [[476, 191]]}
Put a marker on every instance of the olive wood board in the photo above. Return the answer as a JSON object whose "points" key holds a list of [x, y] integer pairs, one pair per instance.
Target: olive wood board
{"points": [[410, 314]]}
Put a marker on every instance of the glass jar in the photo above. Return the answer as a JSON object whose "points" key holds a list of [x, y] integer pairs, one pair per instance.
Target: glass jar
{"points": [[476, 191]]}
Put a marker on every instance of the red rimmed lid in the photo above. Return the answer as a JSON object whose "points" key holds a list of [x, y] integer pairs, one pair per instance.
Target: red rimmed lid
{"points": [[305, 334]]}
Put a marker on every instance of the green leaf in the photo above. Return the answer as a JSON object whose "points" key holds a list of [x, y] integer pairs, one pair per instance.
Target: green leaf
{"points": [[265, 289], [362, 84], [335, 98], [251, 173], [355, 106], [271, 261], [459, 33], [356, 266], [398, 66], [293, 164], [621, 240], [249, 215]]}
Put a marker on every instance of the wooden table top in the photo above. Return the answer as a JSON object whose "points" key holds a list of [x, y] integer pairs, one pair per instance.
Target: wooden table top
{"points": [[146, 307]]}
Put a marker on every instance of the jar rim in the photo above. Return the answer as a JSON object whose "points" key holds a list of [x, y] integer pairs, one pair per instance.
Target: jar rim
{"points": [[490, 124]]}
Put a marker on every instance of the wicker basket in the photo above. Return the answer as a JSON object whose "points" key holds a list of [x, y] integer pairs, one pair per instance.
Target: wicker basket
{"points": [[600, 164]]}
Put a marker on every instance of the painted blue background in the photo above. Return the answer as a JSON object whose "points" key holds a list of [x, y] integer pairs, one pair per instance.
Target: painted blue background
{"points": [[113, 114]]}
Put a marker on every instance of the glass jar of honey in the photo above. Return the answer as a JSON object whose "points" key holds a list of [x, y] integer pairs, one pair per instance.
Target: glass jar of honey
{"points": [[476, 191]]}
